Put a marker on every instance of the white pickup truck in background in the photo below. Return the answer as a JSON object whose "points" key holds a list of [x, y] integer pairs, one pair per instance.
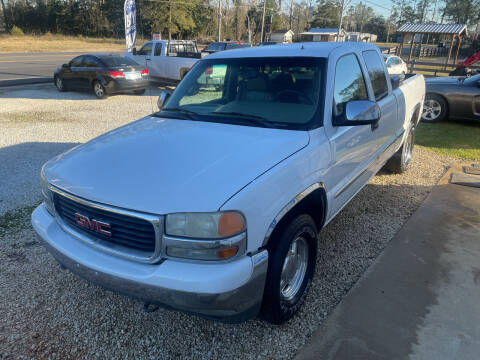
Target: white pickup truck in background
{"points": [[165, 60], [213, 204]]}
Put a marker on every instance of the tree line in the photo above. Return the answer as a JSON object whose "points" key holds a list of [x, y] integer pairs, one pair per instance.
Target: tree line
{"points": [[198, 18]]}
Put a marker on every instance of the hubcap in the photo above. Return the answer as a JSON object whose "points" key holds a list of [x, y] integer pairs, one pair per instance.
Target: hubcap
{"points": [[431, 110], [294, 268], [59, 83], [98, 89]]}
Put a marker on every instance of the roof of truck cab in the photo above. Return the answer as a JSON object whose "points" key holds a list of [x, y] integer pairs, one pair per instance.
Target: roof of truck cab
{"points": [[306, 49]]}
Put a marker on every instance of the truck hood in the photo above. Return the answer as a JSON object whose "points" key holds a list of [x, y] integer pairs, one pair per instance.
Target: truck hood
{"points": [[160, 166]]}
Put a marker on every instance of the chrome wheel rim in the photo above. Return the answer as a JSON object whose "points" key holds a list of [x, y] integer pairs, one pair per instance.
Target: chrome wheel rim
{"points": [[431, 110], [98, 89], [294, 268], [408, 148], [59, 83]]}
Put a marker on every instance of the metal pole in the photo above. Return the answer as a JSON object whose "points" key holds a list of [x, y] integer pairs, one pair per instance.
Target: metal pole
{"points": [[263, 18], [170, 20], [458, 49], [411, 47], [450, 50], [341, 18], [219, 31]]}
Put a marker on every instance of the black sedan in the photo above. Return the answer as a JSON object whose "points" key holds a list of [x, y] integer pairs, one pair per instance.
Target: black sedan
{"points": [[224, 45], [452, 97], [104, 74]]}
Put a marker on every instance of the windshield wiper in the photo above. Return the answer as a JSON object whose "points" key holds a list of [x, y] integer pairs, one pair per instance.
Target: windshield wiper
{"points": [[187, 114], [183, 111], [259, 120]]}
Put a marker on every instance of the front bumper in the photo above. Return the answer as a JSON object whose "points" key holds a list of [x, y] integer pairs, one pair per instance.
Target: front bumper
{"points": [[229, 291]]}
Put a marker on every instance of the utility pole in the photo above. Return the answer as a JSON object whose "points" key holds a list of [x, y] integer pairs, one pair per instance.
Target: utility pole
{"points": [[219, 32], [263, 18], [170, 20], [291, 13], [341, 18]]}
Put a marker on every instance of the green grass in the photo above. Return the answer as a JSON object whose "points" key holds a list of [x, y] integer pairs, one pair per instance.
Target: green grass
{"points": [[454, 139]]}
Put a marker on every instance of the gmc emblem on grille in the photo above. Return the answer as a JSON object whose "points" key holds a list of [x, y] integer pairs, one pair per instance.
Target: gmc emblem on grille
{"points": [[92, 224]]}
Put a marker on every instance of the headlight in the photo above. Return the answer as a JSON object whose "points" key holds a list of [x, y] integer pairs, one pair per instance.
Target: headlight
{"points": [[47, 194], [205, 225]]}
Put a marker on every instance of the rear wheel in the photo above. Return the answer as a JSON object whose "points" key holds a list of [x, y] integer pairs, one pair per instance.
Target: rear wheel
{"points": [[400, 161], [99, 90], [434, 108], [290, 269], [59, 83]]}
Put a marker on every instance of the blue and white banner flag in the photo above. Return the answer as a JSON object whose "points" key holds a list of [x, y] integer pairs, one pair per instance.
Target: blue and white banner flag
{"points": [[130, 14]]}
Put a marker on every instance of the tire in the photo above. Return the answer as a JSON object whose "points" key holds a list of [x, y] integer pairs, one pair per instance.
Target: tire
{"points": [[60, 85], [99, 90], [434, 109], [285, 291], [139, 92], [400, 161]]}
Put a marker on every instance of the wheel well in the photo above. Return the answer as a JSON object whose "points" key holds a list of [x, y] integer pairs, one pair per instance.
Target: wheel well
{"points": [[314, 204], [183, 72]]}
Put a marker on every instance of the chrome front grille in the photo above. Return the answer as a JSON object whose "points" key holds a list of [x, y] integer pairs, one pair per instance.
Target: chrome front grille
{"points": [[133, 235]]}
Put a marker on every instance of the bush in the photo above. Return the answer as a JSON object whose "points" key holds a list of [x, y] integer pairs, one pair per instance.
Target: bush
{"points": [[16, 31]]}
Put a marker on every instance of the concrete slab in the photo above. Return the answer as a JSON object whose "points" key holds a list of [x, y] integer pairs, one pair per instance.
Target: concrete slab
{"points": [[421, 298]]}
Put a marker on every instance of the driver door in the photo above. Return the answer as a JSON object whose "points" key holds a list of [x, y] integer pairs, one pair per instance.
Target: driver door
{"points": [[71, 75]]}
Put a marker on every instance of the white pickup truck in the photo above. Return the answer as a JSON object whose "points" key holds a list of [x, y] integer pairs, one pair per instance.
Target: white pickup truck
{"points": [[167, 61], [213, 204]]}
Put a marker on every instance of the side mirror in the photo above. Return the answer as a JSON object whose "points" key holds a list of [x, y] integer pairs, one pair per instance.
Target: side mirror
{"points": [[65, 66], [359, 112], [396, 80], [162, 99], [134, 51]]}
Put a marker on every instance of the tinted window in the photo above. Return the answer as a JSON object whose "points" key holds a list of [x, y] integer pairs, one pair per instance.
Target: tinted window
{"points": [[145, 50], [77, 62], [90, 61], [377, 73], [349, 82], [158, 49], [216, 47], [236, 46], [115, 61]]}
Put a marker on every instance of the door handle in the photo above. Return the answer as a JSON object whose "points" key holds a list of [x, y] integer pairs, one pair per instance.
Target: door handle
{"points": [[147, 58]]}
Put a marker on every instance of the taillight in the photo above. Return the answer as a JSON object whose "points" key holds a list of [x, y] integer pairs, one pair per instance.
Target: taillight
{"points": [[116, 74], [209, 71], [144, 72]]}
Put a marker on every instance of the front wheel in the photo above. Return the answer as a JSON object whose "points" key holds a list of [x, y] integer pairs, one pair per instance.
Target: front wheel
{"points": [[99, 90], [400, 161], [59, 83], [290, 269], [434, 108]]}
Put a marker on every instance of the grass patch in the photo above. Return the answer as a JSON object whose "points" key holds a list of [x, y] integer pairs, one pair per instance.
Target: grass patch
{"points": [[16, 220], [54, 42], [454, 139], [29, 117]]}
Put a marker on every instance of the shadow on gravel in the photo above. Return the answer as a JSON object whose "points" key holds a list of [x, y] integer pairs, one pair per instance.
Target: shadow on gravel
{"points": [[20, 171], [50, 92]]}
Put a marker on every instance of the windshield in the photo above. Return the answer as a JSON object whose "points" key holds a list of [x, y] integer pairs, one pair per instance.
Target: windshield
{"points": [[114, 61], [269, 92]]}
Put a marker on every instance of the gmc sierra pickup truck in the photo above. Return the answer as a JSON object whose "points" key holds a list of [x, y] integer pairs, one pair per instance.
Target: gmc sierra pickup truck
{"points": [[213, 204]]}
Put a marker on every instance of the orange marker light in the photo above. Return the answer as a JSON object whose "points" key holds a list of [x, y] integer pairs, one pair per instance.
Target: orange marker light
{"points": [[230, 223], [227, 252]]}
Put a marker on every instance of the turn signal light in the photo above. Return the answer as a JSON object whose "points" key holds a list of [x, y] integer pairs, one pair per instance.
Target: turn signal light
{"points": [[144, 72], [227, 252], [230, 223], [116, 74]]}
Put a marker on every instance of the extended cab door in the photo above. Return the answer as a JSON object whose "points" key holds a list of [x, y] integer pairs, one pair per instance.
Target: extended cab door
{"points": [[144, 55], [157, 63]]}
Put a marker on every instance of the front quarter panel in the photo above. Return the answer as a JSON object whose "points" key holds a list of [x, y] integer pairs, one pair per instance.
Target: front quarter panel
{"points": [[265, 197]]}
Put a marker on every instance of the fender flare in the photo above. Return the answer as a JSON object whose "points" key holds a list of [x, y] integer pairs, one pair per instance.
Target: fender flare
{"points": [[290, 205]]}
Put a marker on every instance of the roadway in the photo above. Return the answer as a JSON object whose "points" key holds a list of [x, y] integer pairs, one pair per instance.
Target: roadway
{"points": [[29, 68]]}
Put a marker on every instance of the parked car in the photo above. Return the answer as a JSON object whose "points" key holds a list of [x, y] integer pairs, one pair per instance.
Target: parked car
{"points": [[167, 61], [452, 97], [104, 74], [224, 45], [213, 204], [267, 43], [395, 65]]}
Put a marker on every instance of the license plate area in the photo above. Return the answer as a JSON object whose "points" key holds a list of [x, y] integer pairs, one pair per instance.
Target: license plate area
{"points": [[133, 75]]}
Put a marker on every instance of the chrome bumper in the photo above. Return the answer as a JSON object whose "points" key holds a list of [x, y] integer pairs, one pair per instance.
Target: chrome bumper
{"points": [[230, 291]]}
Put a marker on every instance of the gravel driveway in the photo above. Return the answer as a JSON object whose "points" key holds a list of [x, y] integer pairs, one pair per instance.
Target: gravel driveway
{"points": [[49, 313]]}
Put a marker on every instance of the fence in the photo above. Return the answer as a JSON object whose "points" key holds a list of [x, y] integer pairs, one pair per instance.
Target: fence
{"points": [[429, 68]]}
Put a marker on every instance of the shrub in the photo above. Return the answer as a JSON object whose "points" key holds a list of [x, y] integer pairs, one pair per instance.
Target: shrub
{"points": [[16, 31]]}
